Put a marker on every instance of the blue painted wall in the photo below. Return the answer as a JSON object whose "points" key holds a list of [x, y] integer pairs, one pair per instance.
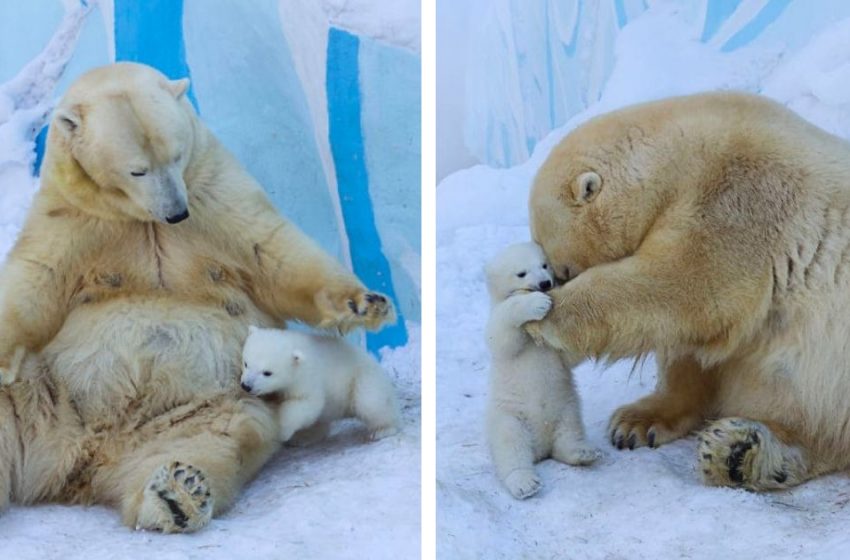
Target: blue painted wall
{"points": [[247, 90]]}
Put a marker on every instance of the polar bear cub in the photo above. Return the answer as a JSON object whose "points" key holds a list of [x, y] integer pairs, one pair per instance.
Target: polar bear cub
{"points": [[533, 410], [320, 379]]}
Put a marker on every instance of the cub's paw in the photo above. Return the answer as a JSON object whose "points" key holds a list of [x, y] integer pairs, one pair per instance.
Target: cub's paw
{"points": [[652, 421], [523, 483], [577, 454], [744, 453], [535, 306], [309, 436], [380, 433], [176, 499]]}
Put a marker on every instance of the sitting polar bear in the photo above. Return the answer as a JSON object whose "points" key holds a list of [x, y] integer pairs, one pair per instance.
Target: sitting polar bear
{"points": [[533, 410], [320, 379], [713, 230], [146, 254]]}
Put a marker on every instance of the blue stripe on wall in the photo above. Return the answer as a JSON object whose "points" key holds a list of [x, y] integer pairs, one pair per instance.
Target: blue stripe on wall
{"points": [[716, 13], [151, 32], [765, 17], [346, 138]]}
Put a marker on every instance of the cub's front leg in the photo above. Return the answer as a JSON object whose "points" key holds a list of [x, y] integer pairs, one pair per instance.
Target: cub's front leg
{"points": [[298, 413]]}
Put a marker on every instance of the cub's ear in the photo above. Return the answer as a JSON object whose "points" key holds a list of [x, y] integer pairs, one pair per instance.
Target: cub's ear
{"points": [[178, 88], [69, 119], [586, 187], [297, 357]]}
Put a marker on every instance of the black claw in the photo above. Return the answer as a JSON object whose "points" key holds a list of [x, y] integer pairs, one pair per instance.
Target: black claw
{"points": [[632, 441], [706, 456], [718, 432], [352, 306], [651, 438], [736, 459], [189, 480], [613, 439], [780, 477], [179, 472], [620, 441]]}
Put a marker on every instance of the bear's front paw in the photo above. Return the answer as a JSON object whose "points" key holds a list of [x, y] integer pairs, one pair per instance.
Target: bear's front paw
{"points": [[344, 312], [523, 483]]}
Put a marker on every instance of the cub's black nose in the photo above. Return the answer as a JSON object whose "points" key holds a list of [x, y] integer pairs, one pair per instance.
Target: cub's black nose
{"points": [[545, 285], [178, 217], [246, 387]]}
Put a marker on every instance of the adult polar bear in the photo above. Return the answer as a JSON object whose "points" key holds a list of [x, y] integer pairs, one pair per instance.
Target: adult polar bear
{"points": [[145, 256], [713, 230]]}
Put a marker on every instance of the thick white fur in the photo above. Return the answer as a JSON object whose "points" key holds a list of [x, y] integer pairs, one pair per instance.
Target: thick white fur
{"points": [[533, 411], [320, 379], [124, 328]]}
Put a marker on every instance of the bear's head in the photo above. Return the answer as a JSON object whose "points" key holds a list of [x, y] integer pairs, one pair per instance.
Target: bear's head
{"points": [[598, 193], [518, 268], [119, 144], [271, 359]]}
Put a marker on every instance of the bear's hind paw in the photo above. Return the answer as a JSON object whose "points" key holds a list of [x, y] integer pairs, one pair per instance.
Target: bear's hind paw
{"points": [[176, 499]]}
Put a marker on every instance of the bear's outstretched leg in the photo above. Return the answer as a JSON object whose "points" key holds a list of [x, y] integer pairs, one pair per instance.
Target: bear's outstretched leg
{"points": [[513, 456], [177, 481], [749, 454], [679, 405]]}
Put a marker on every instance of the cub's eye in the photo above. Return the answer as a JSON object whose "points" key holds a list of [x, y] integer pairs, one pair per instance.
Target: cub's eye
{"points": [[545, 266], [139, 173], [521, 274], [267, 373]]}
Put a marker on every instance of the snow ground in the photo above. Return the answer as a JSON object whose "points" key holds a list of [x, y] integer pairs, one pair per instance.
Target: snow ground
{"points": [[341, 498], [632, 504]]}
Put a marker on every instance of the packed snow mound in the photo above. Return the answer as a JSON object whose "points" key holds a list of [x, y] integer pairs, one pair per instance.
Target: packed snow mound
{"points": [[642, 504]]}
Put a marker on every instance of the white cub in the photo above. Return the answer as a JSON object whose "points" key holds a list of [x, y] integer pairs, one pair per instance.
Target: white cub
{"points": [[319, 379], [533, 410]]}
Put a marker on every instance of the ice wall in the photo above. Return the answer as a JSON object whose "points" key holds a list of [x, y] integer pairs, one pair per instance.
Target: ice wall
{"points": [[524, 67], [265, 77]]}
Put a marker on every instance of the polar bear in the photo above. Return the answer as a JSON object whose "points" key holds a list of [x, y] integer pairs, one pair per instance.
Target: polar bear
{"points": [[146, 254], [713, 230], [533, 410], [319, 379]]}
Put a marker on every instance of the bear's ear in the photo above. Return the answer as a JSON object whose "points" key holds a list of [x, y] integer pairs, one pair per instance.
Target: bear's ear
{"points": [[586, 187], [178, 88], [297, 357], [68, 118]]}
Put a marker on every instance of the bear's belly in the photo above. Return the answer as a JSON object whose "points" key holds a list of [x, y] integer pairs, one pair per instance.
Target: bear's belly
{"points": [[145, 355]]}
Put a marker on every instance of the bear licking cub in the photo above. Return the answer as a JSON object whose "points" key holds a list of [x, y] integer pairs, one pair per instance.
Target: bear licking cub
{"points": [[146, 254]]}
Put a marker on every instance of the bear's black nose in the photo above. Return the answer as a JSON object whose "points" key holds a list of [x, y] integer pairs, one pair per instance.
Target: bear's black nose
{"points": [[178, 217], [545, 285], [246, 387]]}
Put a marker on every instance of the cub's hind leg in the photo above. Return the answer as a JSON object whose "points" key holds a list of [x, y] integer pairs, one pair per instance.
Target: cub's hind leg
{"points": [[511, 446], [376, 404]]}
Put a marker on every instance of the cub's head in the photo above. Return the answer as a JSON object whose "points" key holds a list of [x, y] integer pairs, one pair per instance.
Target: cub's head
{"points": [[119, 143], [599, 191], [271, 359], [518, 268]]}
